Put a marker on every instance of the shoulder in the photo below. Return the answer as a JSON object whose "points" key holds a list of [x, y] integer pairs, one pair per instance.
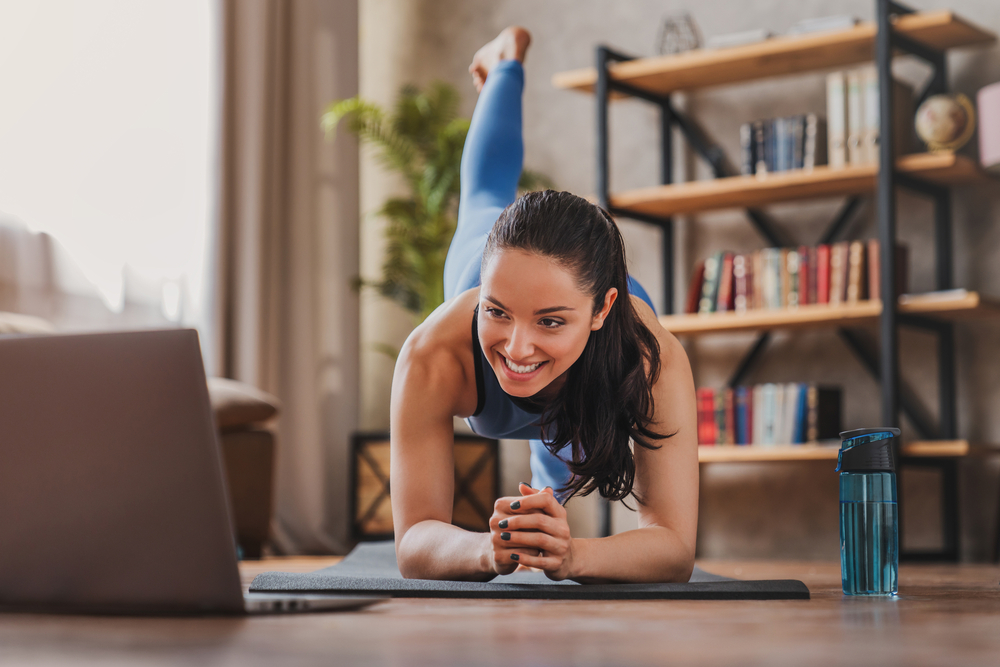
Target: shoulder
{"points": [[671, 350], [436, 359]]}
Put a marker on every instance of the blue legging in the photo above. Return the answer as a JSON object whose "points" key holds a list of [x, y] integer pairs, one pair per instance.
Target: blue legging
{"points": [[491, 166]]}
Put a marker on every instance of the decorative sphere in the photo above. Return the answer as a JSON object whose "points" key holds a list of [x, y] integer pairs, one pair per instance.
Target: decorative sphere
{"points": [[945, 122]]}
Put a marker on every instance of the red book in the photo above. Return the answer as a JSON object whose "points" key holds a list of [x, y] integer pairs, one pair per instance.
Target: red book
{"points": [[803, 275], [706, 416], [725, 299], [823, 274], [694, 289], [812, 275]]}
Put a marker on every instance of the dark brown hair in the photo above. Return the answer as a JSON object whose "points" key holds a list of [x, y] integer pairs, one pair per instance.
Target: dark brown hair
{"points": [[607, 399]]}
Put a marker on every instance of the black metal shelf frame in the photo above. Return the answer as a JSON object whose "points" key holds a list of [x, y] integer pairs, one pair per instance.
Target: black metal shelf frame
{"points": [[883, 365]]}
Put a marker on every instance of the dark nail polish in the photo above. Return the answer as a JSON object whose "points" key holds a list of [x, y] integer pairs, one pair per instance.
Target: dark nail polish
{"points": [[503, 524], [516, 505], [515, 557], [504, 536], [525, 483]]}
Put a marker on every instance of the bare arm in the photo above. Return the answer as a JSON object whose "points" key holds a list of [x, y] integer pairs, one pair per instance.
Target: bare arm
{"points": [[662, 548], [427, 390]]}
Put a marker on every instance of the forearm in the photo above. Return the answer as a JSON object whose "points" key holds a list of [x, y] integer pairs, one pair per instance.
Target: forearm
{"points": [[645, 555], [437, 550]]}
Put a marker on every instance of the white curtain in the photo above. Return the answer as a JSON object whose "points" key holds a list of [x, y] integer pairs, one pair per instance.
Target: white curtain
{"points": [[286, 317]]}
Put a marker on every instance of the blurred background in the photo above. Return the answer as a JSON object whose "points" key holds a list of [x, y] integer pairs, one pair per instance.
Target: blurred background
{"points": [[163, 164]]}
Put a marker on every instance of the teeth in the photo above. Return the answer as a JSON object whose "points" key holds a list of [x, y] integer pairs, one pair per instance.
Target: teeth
{"points": [[521, 369]]}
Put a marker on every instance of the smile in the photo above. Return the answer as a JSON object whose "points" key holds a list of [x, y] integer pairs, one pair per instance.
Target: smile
{"points": [[515, 369]]}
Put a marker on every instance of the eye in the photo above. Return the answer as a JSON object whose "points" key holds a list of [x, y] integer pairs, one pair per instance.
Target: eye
{"points": [[550, 323], [495, 313]]}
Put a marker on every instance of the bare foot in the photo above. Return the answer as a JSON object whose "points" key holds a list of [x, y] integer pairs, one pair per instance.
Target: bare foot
{"points": [[510, 44]]}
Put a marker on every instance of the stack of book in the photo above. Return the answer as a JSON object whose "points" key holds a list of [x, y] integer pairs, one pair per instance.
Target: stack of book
{"points": [[768, 414], [841, 273], [852, 101], [782, 144]]}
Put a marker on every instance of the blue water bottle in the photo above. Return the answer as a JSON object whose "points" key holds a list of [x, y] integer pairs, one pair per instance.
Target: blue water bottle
{"points": [[869, 517]]}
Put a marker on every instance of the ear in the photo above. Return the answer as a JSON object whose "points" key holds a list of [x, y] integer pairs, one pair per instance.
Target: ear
{"points": [[599, 317]]}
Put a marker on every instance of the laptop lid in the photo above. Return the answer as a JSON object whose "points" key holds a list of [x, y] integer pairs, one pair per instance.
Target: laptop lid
{"points": [[111, 485]]}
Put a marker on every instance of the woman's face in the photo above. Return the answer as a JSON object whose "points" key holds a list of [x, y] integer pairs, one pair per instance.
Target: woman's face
{"points": [[534, 321]]}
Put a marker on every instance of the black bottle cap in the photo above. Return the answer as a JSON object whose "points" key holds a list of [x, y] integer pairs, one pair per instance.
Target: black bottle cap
{"points": [[868, 455]]}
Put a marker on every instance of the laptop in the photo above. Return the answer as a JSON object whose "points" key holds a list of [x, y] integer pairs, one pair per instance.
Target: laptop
{"points": [[112, 494]]}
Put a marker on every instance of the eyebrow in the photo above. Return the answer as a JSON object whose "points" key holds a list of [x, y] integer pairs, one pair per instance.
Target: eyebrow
{"points": [[542, 311]]}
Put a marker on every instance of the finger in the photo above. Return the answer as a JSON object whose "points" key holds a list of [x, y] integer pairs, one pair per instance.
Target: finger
{"points": [[535, 522], [543, 502], [547, 563], [526, 489], [539, 541]]}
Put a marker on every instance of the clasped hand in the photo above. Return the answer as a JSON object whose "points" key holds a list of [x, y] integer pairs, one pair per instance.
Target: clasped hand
{"points": [[532, 531]]}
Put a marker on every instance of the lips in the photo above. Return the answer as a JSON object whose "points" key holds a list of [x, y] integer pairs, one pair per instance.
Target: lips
{"points": [[521, 372]]}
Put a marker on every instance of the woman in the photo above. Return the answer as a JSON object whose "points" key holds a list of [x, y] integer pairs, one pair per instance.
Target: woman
{"points": [[543, 336]]}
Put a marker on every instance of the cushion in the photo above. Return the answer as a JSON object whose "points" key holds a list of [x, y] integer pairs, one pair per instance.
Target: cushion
{"points": [[15, 323], [237, 404]]}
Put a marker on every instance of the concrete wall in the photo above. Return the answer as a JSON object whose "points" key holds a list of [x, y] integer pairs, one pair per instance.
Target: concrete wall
{"points": [[785, 509]]}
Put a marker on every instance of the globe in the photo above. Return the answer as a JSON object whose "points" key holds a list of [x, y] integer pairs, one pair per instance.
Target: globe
{"points": [[945, 122]]}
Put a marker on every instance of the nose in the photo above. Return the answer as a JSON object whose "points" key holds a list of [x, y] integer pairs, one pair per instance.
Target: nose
{"points": [[520, 345]]}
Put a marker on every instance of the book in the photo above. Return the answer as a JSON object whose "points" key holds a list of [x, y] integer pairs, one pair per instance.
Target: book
{"points": [[706, 416], [694, 288], [782, 145], [804, 277], [813, 270], [724, 300], [902, 109], [838, 273], [801, 414], [836, 119], [757, 415], [747, 162], [738, 38], [757, 284], [777, 415], [814, 142], [710, 283], [729, 409], [798, 132], [874, 270], [742, 398], [785, 279], [792, 290], [791, 413], [823, 23], [857, 278], [720, 417], [767, 414], [823, 414], [823, 273], [760, 143], [741, 281], [856, 152]]}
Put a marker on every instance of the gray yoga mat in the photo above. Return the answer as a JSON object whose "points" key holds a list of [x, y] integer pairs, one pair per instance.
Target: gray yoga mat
{"points": [[371, 569]]}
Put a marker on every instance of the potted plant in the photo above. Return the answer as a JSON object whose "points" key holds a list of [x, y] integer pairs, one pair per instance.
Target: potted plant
{"points": [[421, 139]]}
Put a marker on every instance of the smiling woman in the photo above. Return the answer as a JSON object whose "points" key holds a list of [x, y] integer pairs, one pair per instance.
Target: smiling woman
{"points": [[545, 337]]}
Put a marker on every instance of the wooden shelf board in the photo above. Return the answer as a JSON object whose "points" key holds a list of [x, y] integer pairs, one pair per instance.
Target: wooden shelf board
{"points": [[750, 453], [942, 168], [777, 56], [968, 305]]}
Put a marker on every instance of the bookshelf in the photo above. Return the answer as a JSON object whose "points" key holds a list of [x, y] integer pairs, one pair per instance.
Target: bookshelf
{"points": [[751, 191], [753, 453], [778, 56], [957, 305], [897, 30]]}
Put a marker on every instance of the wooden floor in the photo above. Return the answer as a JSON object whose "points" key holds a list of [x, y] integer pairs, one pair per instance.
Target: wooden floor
{"points": [[945, 615]]}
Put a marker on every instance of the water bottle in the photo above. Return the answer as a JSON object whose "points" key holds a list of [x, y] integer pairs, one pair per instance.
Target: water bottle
{"points": [[869, 517]]}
